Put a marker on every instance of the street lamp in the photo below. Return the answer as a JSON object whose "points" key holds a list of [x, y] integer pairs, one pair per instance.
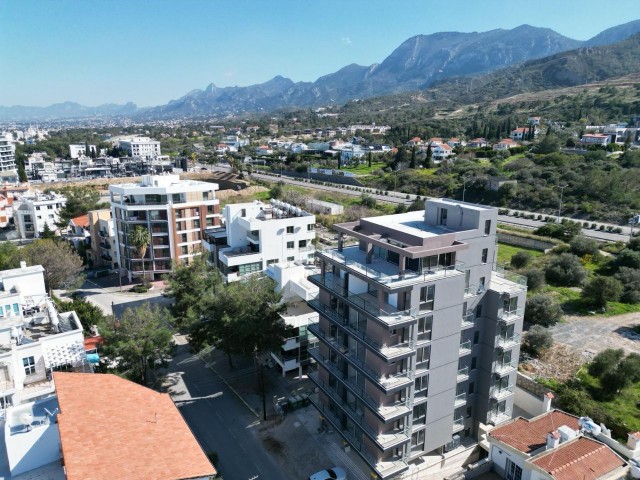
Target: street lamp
{"points": [[560, 206]]}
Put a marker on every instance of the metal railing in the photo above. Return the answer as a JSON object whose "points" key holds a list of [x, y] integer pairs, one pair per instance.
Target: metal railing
{"points": [[469, 320], [507, 341], [509, 316], [499, 393], [465, 347], [463, 374], [500, 270]]}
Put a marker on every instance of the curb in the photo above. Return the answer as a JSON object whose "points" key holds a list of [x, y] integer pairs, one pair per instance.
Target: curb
{"points": [[210, 367]]}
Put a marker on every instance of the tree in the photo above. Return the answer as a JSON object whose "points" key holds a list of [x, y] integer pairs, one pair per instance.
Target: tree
{"points": [[542, 310], [62, 266], [521, 259], [401, 157], [427, 161], [565, 270], [564, 230], [277, 190], [600, 290], [88, 313], [535, 278], [47, 233], [605, 361], [628, 258], [369, 159], [9, 256], [537, 340], [582, 246], [630, 365], [140, 239], [412, 163], [368, 201], [548, 144], [630, 279], [80, 200], [141, 340]]}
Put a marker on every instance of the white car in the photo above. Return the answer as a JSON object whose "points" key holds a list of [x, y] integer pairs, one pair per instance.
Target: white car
{"points": [[335, 473]]}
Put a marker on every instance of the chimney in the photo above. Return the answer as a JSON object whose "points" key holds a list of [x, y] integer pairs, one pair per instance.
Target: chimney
{"points": [[553, 439], [633, 441], [23, 265], [546, 402]]}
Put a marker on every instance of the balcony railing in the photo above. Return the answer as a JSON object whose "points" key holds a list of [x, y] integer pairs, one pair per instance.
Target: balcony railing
{"points": [[510, 316], [458, 424], [463, 374], [389, 315], [465, 347], [511, 276], [499, 393], [504, 368], [391, 280], [469, 320], [460, 400], [510, 341], [253, 236], [495, 417], [308, 248], [471, 291]]}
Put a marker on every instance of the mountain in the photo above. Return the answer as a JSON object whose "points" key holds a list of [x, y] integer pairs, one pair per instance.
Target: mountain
{"points": [[417, 64], [66, 110]]}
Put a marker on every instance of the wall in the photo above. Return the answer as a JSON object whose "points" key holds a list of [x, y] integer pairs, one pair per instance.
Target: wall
{"points": [[528, 402], [321, 177], [519, 241]]}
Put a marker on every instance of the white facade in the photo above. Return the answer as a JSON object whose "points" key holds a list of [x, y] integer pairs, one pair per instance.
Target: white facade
{"points": [[31, 213], [619, 133], [143, 147], [7, 153], [80, 150], [260, 234]]}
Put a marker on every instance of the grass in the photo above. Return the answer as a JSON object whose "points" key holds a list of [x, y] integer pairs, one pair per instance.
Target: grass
{"points": [[365, 169], [573, 304], [505, 252]]}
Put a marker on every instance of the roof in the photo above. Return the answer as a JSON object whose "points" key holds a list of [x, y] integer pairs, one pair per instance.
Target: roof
{"points": [[81, 221], [141, 437], [581, 458], [530, 435]]}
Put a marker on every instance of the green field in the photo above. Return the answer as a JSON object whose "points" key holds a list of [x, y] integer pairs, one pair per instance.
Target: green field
{"points": [[364, 169], [505, 252]]}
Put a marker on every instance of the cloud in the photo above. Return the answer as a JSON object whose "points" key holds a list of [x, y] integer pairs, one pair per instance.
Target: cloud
{"points": [[346, 40]]}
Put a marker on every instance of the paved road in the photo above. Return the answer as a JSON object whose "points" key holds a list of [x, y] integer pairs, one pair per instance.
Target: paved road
{"points": [[596, 234], [220, 422]]}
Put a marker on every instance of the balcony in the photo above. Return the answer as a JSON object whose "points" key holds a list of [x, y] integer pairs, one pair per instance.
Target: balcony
{"points": [[465, 348], [253, 237], [385, 273], [504, 368], [307, 248], [506, 281], [498, 393], [460, 400], [386, 382], [458, 424], [510, 316], [496, 417], [505, 342], [389, 315], [471, 291], [388, 352], [468, 320], [463, 374], [105, 245]]}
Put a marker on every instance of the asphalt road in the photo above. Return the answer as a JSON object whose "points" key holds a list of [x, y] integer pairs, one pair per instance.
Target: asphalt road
{"points": [[220, 422]]}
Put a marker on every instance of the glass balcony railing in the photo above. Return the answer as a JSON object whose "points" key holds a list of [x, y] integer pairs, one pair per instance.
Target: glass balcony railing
{"points": [[465, 347], [501, 272], [496, 417], [469, 320], [510, 316], [460, 400], [504, 368], [507, 341], [499, 393], [253, 236], [458, 424], [471, 291], [463, 374]]}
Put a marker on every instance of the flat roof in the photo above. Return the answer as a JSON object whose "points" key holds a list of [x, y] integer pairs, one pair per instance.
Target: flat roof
{"points": [[114, 429], [411, 222]]}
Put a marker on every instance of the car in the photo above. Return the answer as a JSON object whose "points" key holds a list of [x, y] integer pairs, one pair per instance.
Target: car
{"points": [[335, 473]]}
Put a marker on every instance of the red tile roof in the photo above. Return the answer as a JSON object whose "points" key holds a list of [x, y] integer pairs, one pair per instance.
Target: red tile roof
{"points": [[530, 435], [114, 429], [583, 459], [81, 221]]}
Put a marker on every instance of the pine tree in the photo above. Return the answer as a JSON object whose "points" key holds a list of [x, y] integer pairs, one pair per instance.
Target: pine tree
{"points": [[369, 159], [413, 157]]}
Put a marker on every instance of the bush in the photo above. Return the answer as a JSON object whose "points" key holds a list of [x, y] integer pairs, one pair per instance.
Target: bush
{"points": [[582, 246], [605, 361], [140, 288], [565, 270], [630, 279], [563, 231], [628, 258], [542, 310], [634, 244], [535, 278], [368, 201], [521, 259], [537, 340], [600, 290]]}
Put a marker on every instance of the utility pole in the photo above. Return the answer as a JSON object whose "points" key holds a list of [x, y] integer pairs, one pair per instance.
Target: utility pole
{"points": [[560, 206]]}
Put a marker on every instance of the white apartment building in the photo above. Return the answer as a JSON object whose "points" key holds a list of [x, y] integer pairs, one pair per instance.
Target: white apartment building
{"points": [[259, 234], [103, 251], [80, 150], [7, 153], [32, 212], [175, 212], [34, 338], [143, 147], [620, 133]]}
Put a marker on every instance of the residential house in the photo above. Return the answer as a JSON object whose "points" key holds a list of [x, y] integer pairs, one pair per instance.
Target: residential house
{"points": [[435, 141], [478, 143], [505, 144], [175, 213], [4, 211], [326, 208], [551, 446], [32, 211], [534, 121], [455, 142], [143, 147], [415, 142], [599, 139], [80, 150], [520, 133], [259, 234], [419, 333], [621, 133], [441, 152], [350, 153], [264, 150]]}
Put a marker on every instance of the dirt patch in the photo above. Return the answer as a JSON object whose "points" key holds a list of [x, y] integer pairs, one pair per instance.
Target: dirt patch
{"points": [[560, 362], [225, 194]]}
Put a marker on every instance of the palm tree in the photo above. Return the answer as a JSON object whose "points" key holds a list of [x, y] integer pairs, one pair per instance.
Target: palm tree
{"points": [[140, 239]]}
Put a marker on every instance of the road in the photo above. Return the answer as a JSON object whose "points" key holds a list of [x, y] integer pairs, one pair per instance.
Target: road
{"points": [[400, 198], [220, 422]]}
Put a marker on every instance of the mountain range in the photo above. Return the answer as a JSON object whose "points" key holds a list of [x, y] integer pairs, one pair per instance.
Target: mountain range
{"points": [[418, 63]]}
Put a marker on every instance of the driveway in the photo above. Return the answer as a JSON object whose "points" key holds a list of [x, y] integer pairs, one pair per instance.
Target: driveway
{"points": [[590, 335]]}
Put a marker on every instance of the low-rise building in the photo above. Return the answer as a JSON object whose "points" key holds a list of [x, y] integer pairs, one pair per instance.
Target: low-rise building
{"points": [[80, 150], [143, 147], [441, 152], [103, 251], [478, 143], [595, 139], [325, 208], [32, 211], [505, 144]]}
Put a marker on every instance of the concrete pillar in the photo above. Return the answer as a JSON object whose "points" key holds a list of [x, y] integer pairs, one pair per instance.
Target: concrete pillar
{"points": [[546, 402], [369, 252], [340, 241], [402, 265]]}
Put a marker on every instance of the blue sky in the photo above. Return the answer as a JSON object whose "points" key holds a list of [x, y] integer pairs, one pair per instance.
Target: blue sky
{"points": [[149, 52]]}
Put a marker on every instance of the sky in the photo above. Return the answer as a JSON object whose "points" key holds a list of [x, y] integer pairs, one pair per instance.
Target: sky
{"points": [[151, 51]]}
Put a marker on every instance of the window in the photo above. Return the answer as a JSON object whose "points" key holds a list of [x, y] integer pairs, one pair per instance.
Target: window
{"points": [[512, 471], [469, 412], [485, 255], [443, 217], [243, 213], [417, 441], [420, 414], [472, 387], [476, 337], [487, 227], [290, 259], [478, 311], [272, 261], [290, 229], [474, 361], [249, 268], [16, 309], [29, 365], [421, 385], [426, 297], [481, 285], [311, 227], [422, 357], [424, 327], [302, 243], [290, 245], [184, 250]]}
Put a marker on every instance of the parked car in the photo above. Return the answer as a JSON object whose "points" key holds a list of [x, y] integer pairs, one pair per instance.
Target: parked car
{"points": [[335, 473]]}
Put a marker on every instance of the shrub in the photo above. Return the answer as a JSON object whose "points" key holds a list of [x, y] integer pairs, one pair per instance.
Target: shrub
{"points": [[594, 226], [585, 224], [564, 231], [617, 230], [600, 290], [630, 280], [537, 340], [628, 258], [582, 246], [140, 288], [535, 278], [605, 361], [521, 259], [565, 270], [542, 310], [634, 244]]}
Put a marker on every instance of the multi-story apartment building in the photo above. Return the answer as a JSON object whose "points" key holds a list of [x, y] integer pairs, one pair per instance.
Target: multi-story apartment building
{"points": [[80, 150], [34, 338], [103, 251], [7, 153], [258, 234], [419, 332], [143, 147], [175, 212], [31, 213]]}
